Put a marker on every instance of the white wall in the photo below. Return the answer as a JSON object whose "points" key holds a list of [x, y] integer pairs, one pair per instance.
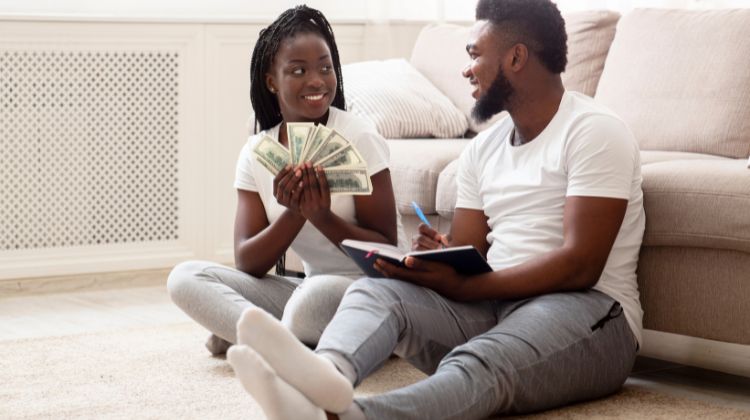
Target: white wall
{"points": [[335, 10], [73, 167]]}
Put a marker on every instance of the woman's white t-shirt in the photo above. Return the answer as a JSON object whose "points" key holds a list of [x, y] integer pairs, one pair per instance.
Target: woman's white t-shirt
{"points": [[318, 254], [585, 150]]}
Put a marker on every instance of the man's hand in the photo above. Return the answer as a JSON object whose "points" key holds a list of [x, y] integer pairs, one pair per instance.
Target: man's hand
{"points": [[315, 204], [439, 277], [428, 238]]}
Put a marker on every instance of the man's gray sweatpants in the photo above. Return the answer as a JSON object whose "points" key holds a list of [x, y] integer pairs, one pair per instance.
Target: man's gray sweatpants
{"points": [[485, 358]]}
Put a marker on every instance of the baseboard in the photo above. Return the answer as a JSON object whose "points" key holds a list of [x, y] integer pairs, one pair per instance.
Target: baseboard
{"points": [[708, 354], [82, 282]]}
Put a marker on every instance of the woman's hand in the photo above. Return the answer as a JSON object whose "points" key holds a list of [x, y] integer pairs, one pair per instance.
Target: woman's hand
{"points": [[428, 238], [315, 203], [288, 188]]}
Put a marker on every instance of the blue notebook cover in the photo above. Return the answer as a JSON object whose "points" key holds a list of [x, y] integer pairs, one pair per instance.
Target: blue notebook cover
{"points": [[464, 259]]}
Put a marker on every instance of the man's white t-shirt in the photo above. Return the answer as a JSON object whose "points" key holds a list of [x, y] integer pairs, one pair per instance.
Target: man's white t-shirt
{"points": [[585, 150], [318, 254]]}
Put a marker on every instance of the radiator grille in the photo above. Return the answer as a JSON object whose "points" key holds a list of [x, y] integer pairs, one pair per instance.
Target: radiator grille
{"points": [[88, 148]]}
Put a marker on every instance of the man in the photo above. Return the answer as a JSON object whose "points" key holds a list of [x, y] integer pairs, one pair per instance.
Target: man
{"points": [[552, 196]]}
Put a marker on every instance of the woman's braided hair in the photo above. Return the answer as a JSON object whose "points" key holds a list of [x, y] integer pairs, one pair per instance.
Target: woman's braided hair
{"points": [[300, 19]]}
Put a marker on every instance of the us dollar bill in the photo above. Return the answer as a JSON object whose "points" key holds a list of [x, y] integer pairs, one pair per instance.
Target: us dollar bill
{"points": [[272, 169], [348, 156], [352, 180], [271, 154], [333, 143], [297, 134], [314, 141]]}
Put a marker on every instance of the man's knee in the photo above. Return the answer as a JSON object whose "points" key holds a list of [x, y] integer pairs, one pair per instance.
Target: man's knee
{"points": [[386, 291]]}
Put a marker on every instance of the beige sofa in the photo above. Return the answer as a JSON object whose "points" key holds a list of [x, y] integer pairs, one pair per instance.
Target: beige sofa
{"points": [[681, 80]]}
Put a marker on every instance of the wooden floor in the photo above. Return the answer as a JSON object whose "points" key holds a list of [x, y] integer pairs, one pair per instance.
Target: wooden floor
{"points": [[28, 316]]}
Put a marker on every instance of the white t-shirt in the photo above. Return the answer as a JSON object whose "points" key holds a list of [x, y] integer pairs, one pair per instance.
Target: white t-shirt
{"points": [[585, 150], [318, 254]]}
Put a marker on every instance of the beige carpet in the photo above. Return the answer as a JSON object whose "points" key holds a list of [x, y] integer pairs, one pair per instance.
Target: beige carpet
{"points": [[163, 372]]}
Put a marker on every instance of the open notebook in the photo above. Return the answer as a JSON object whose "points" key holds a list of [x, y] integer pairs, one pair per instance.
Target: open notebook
{"points": [[464, 259]]}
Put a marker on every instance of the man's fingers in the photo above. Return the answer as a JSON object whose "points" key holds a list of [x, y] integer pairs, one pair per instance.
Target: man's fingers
{"points": [[423, 242], [427, 231], [436, 236], [418, 264]]}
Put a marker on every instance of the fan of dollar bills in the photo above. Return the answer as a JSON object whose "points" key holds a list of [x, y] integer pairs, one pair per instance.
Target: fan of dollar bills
{"points": [[345, 169]]}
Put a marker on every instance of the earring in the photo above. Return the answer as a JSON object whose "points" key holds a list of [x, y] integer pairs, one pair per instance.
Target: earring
{"points": [[272, 90]]}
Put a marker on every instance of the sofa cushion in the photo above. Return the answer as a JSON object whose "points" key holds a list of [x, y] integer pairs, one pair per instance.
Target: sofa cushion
{"points": [[440, 54], [415, 166], [400, 101], [445, 198], [679, 79], [653, 156], [690, 202], [589, 36], [697, 203]]}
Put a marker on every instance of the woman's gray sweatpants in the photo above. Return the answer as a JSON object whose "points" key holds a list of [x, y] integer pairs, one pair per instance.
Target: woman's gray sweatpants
{"points": [[215, 296], [486, 358]]}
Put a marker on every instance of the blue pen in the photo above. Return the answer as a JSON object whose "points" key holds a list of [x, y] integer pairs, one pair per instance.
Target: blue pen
{"points": [[420, 214]]}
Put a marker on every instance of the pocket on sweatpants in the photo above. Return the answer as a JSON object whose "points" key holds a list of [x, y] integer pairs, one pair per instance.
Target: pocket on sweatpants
{"points": [[614, 311]]}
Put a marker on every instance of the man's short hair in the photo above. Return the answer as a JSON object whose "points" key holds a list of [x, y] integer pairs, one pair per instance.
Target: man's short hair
{"points": [[537, 24]]}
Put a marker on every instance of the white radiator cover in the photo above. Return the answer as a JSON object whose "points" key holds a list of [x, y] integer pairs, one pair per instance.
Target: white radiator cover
{"points": [[118, 140], [101, 147], [90, 141]]}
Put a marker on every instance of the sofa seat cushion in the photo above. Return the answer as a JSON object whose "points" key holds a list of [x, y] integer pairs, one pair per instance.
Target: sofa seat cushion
{"points": [[689, 202], [415, 166], [679, 79], [697, 203], [653, 156]]}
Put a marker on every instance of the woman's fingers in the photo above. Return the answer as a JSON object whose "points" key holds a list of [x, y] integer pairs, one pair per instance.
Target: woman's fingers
{"points": [[322, 182]]}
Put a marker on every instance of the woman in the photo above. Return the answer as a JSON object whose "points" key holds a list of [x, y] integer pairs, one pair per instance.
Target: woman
{"points": [[295, 77]]}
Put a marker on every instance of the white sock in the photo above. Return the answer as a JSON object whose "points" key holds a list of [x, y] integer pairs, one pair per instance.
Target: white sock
{"points": [[278, 399], [314, 376]]}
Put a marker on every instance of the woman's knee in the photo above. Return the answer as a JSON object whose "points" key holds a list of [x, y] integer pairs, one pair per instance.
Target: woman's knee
{"points": [[185, 277], [313, 305]]}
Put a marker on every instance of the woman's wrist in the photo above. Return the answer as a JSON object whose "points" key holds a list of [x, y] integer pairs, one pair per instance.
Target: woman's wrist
{"points": [[295, 216], [321, 218]]}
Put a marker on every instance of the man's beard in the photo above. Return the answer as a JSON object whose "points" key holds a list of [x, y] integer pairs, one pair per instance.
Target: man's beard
{"points": [[495, 100]]}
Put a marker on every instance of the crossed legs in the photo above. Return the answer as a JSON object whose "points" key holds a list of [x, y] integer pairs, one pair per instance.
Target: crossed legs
{"points": [[377, 317], [523, 355]]}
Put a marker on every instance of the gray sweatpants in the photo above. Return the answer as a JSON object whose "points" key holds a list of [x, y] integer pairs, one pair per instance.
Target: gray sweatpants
{"points": [[215, 296], [486, 358]]}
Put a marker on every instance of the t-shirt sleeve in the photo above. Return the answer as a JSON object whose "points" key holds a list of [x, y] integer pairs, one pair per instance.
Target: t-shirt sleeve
{"points": [[467, 179], [374, 150], [601, 157], [243, 178]]}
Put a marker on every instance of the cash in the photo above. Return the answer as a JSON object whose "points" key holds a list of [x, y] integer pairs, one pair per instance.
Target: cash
{"points": [[345, 169], [297, 135], [348, 180], [271, 154]]}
